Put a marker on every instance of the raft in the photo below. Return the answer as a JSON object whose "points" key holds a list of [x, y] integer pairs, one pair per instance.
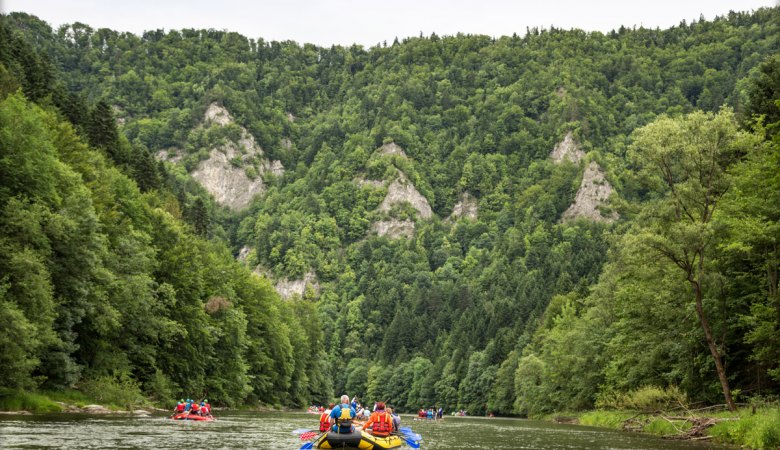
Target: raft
{"points": [[359, 440], [188, 416]]}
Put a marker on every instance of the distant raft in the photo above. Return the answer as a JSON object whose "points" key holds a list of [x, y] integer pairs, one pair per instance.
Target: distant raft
{"points": [[195, 417], [359, 440]]}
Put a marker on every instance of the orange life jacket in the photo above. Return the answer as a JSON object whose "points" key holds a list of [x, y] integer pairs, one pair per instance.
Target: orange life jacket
{"points": [[382, 423], [325, 421]]}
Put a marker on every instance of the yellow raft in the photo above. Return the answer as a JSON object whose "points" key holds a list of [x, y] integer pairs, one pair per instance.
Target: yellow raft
{"points": [[359, 440]]}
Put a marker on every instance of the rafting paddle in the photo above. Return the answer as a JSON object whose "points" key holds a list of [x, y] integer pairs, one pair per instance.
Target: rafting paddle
{"points": [[412, 443]]}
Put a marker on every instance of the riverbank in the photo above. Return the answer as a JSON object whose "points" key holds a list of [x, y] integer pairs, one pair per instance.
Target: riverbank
{"points": [[74, 401], [69, 401], [752, 428]]}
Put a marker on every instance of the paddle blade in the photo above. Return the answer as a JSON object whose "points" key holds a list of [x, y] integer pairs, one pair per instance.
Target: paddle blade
{"points": [[310, 445], [411, 442]]}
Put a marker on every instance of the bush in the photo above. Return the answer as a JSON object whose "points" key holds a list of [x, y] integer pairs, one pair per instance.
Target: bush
{"points": [[121, 391], [13, 400], [647, 398], [161, 389], [760, 430]]}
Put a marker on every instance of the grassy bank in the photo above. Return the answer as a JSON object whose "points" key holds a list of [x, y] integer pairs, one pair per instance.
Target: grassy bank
{"points": [[759, 429], [12, 400], [52, 401]]}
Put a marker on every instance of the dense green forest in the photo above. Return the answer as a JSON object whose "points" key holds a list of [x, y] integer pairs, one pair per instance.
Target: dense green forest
{"points": [[119, 268]]}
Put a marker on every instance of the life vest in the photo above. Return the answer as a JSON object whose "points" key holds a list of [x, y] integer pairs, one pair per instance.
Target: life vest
{"points": [[382, 423], [180, 407], [195, 408], [325, 421], [344, 420]]}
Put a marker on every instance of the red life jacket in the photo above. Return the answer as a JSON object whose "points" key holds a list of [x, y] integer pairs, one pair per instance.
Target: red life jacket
{"points": [[180, 407], [325, 421], [195, 408], [384, 425]]}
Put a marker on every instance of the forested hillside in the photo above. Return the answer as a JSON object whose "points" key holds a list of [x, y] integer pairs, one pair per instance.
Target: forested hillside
{"points": [[425, 191], [103, 287]]}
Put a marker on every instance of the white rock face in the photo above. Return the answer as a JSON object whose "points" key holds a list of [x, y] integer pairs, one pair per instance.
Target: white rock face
{"points": [[394, 228], [229, 184], [243, 254], [287, 288], [466, 207], [391, 148], [171, 155], [217, 115], [376, 184], [401, 190], [568, 149], [594, 191]]}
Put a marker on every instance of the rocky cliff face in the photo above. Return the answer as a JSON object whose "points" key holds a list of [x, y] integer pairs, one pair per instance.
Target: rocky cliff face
{"points": [[228, 183], [567, 150], [400, 190], [467, 207], [288, 288], [593, 193]]}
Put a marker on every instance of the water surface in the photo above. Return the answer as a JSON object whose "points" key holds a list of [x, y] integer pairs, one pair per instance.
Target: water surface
{"points": [[239, 430]]}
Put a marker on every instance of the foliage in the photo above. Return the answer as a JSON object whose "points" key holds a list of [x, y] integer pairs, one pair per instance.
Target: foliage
{"points": [[15, 400], [513, 312], [647, 398], [759, 430], [114, 390]]}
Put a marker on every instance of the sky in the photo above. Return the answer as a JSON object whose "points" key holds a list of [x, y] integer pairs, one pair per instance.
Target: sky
{"points": [[370, 22]]}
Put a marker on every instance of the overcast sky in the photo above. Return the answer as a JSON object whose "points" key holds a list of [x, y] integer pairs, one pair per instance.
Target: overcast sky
{"points": [[369, 22]]}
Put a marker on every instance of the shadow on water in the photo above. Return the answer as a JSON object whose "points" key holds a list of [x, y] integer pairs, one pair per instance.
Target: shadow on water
{"points": [[249, 430]]}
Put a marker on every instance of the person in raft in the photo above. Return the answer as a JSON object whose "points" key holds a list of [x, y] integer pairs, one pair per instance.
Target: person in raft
{"points": [[325, 418], [342, 415], [380, 422], [180, 407], [396, 419], [205, 408]]}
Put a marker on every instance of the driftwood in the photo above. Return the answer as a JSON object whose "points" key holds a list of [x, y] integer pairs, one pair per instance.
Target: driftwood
{"points": [[697, 431]]}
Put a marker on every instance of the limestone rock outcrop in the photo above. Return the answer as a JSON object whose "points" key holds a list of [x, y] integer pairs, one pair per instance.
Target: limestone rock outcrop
{"points": [[466, 207], [594, 192], [567, 150], [221, 176]]}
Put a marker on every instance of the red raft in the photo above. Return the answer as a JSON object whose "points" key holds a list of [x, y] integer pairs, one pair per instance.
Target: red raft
{"points": [[188, 416]]}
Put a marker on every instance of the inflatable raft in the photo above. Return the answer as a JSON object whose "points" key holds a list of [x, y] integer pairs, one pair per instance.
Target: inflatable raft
{"points": [[359, 440], [188, 416]]}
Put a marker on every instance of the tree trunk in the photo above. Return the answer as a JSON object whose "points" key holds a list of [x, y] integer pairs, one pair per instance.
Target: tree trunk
{"points": [[724, 382]]}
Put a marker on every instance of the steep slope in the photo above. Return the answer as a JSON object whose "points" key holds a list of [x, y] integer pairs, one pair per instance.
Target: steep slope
{"points": [[223, 173]]}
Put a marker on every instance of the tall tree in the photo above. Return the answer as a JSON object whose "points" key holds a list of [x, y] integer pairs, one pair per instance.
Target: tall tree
{"points": [[684, 161]]}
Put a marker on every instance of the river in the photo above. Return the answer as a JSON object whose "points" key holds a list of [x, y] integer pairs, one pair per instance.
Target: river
{"points": [[238, 430]]}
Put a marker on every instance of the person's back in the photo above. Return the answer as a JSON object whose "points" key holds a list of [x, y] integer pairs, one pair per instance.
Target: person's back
{"points": [[325, 418], [342, 416], [380, 422]]}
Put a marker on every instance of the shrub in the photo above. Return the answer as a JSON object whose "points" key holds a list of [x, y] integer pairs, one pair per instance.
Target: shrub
{"points": [[647, 398], [117, 390], [760, 430], [13, 400]]}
